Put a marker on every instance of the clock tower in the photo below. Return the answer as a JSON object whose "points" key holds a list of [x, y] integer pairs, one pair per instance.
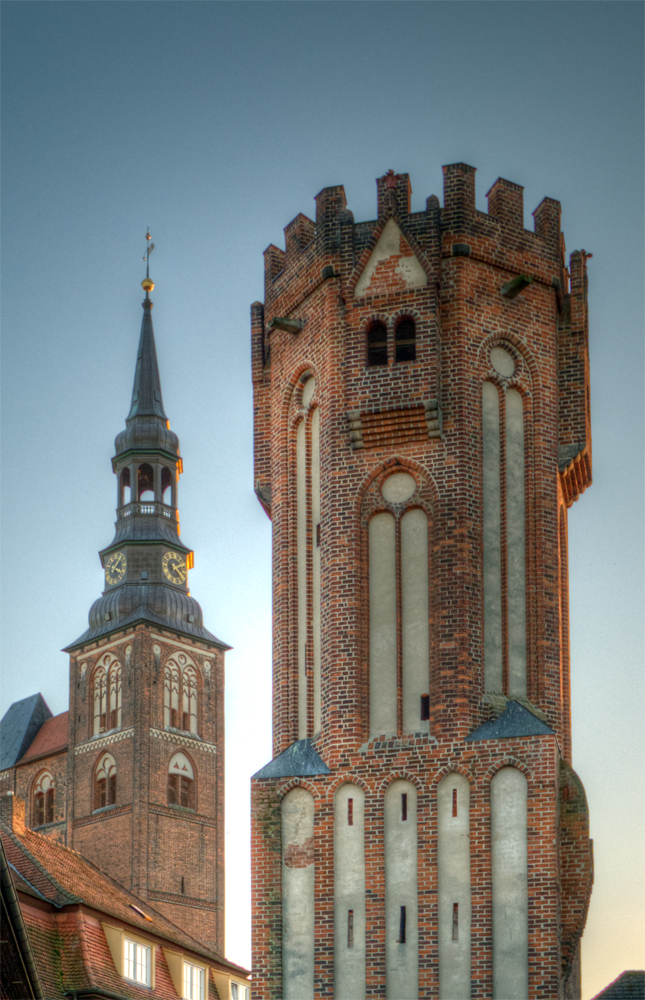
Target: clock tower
{"points": [[146, 754]]}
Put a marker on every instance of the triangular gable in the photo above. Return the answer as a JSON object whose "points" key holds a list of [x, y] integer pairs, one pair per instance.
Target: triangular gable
{"points": [[514, 721], [298, 760], [392, 265]]}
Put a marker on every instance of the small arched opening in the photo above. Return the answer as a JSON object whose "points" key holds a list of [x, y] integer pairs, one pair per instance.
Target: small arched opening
{"points": [[145, 483], [105, 782], [43, 801], [181, 782]]}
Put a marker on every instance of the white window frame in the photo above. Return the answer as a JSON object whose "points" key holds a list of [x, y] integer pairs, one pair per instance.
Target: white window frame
{"points": [[137, 962], [193, 990], [239, 991]]}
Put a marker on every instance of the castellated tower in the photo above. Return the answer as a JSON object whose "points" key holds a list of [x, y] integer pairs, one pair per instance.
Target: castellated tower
{"points": [[421, 429], [145, 761]]}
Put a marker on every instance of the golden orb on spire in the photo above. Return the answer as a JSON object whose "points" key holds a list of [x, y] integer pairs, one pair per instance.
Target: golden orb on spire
{"points": [[147, 285]]}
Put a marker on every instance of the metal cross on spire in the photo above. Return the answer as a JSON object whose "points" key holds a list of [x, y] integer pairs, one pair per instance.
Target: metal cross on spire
{"points": [[147, 284]]}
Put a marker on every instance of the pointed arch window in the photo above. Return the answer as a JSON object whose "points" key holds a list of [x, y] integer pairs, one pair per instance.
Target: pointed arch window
{"points": [[107, 693], [43, 799], [181, 782], [181, 695], [105, 782]]}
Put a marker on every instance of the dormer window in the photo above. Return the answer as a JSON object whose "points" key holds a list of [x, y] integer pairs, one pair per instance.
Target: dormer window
{"points": [[193, 982], [137, 964]]}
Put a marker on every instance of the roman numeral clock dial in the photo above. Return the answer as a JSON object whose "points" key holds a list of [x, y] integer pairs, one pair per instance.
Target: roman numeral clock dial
{"points": [[174, 567], [115, 567]]}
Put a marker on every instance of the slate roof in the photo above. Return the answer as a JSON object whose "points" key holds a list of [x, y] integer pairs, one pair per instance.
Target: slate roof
{"points": [[298, 760], [514, 721], [19, 727], [50, 738], [628, 986]]}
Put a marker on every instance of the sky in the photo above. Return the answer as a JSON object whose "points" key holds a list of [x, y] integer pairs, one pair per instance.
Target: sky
{"points": [[215, 124]]}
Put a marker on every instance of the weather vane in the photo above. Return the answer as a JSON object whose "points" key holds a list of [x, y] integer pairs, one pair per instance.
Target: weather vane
{"points": [[147, 284]]}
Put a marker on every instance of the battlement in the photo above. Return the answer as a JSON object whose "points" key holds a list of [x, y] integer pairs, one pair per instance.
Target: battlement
{"points": [[333, 245]]}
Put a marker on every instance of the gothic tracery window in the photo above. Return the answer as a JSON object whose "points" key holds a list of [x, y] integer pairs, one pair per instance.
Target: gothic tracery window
{"points": [[105, 782], [181, 694], [43, 802], [107, 691]]}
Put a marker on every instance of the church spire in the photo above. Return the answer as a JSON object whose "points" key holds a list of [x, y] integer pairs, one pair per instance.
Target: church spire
{"points": [[146, 392]]}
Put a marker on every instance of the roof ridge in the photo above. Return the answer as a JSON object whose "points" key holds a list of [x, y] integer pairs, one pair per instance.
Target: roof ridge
{"points": [[41, 868]]}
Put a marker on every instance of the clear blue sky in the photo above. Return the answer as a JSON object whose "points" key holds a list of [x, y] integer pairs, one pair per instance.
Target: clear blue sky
{"points": [[215, 124]]}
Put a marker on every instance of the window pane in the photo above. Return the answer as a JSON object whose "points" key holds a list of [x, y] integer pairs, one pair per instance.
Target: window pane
{"points": [[128, 965], [377, 345], [235, 991]]}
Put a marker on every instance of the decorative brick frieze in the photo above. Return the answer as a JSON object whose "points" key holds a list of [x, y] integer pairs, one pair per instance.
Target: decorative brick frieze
{"points": [[104, 741], [183, 741]]}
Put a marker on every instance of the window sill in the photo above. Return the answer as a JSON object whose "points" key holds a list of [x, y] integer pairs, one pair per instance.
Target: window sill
{"points": [[184, 809], [108, 732], [103, 809], [183, 732]]}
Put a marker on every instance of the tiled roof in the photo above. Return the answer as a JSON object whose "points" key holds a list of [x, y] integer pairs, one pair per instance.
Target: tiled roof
{"points": [[64, 877], [628, 986], [51, 737]]}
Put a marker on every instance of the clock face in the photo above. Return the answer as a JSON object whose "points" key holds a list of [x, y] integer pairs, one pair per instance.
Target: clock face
{"points": [[115, 567], [174, 567]]}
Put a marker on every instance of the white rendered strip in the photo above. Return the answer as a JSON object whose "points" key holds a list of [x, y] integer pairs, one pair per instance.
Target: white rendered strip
{"points": [[454, 887], [298, 895], [301, 529], [382, 577], [414, 613], [508, 792], [492, 540], [401, 908], [349, 893], [516, 543], [316, 542]]}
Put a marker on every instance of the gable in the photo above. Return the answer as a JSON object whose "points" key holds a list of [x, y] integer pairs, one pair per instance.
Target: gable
{"points": [[392, 265]]}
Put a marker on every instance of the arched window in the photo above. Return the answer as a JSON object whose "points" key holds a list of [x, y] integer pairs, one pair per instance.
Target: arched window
{"points": [[105, 782], [189, 691], [181, 782], [146, 483], [166, 487], [180, 695], [125, 494], [43, 810], [115, 696], [99, 692], [405, 348], [377, 344]]}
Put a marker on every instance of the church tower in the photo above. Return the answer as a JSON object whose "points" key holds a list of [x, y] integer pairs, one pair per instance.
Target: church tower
{"points": [[421, 405], [145, 779]]}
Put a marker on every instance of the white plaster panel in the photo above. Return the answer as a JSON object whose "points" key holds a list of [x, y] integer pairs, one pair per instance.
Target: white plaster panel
{"points": [[382, 584], [492, 539], [315, 522], [414, 613], [301, 532], [401, 959], [349, 893], [454, 887], [516, 543], [508, 793], [502, 362], [297, 896], [308, 391], [389, 245], [399, 487]]}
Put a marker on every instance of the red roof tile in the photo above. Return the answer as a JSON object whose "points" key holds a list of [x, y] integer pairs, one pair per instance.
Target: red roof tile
{"points": [[50, 738]]}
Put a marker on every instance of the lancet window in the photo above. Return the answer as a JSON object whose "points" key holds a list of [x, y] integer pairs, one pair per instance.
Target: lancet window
{"points": [[181, 782], [105, 782], [181, 694], [107, 693], [43, 799]]}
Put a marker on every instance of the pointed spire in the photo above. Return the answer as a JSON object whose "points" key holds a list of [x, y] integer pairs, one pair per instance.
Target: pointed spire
{"points": [[146, 392]]}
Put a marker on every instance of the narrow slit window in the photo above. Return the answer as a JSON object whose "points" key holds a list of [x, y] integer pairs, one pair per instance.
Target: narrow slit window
{"points": [[377, 345], [318, 535], [454, 802], [350, 812], [350, 929], [402, 920], [455, 921], [405, 340], [425, 707], [404, 807]]}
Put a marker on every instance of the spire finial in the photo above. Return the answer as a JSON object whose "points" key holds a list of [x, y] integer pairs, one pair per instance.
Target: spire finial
{"points": [[147, 284]]}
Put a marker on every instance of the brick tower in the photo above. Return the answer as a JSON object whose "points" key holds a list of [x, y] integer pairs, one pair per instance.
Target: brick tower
{"points": [[421, 429], [145, 768]]}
